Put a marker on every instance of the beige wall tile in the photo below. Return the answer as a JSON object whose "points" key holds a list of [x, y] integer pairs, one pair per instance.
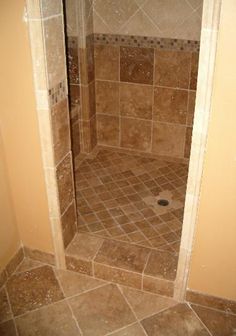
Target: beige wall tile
{"points": [[168, 15], [100, 26], [141, 25], [136, 134], [115, 13], [55, 52], [169, 18], [50, 8], [37, 50], [136, 101], [71, 17], [168, 139]]}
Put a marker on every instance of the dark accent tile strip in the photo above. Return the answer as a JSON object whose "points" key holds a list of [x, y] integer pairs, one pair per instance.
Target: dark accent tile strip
{"points": [[146, 42], [57, 93]]}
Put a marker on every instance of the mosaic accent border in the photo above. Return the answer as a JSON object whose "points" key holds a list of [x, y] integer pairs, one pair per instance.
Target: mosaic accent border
{"points": [[147, 42], [57, 93]]}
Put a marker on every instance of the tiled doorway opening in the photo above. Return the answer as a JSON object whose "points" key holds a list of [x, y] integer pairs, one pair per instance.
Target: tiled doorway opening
{"points": [[123, 235], [125, 239]]}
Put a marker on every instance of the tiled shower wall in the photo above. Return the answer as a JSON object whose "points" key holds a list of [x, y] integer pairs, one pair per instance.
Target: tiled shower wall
{"points": [[145, 93], [145, 86], [177, 19]]}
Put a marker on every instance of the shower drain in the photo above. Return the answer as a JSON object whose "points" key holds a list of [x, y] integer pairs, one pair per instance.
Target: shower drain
{"points": [[163, 202]]}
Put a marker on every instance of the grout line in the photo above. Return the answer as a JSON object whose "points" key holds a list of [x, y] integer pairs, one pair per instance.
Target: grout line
{"points": [[203, 324], [145, 120], [210, 308], [68, 304], [13, 317], [131, 308], [123, 328]]}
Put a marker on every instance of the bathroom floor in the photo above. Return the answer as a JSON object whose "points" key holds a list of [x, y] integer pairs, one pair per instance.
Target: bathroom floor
{"points": [[39, 300]]}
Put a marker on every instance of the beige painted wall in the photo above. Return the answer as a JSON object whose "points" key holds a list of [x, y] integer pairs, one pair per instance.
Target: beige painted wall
{"points": [[169, 18], [213, 264], [19, 127], [9, 236]]}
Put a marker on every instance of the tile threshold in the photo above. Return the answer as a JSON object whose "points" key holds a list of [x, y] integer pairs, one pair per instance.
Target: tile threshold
{"points": [[75, 264]]}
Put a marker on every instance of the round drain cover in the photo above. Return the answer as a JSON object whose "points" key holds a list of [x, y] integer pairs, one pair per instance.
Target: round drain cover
{"points": [[163, 202]]}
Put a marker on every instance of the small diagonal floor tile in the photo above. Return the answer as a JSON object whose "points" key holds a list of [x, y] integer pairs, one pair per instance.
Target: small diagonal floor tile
{"points": [[122, 255], [133, 330], [145, 304], [101, 311], [176, 321], [74, 283], [27, 265], [162, 264], [54, 320], [7, 328], [33, 289], [5, 311], [217, 322]]}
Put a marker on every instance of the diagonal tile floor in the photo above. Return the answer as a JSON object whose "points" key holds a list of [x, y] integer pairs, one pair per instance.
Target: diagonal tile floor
{"points": [[50, 302], [118, 193]]}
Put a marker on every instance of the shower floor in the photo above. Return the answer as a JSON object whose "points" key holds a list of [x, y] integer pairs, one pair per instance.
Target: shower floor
{"points": [[121, 224]]}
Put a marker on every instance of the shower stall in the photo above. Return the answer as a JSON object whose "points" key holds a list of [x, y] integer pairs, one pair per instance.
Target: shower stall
{"points": [[132, 74]]}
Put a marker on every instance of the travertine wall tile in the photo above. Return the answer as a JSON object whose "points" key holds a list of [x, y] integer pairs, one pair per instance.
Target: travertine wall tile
{"points": [[64, 173], [153, 100], [50, 8], [136, 134], [170, 105], [172, 68], [136, 101], [60, 129], [136, 65], [169, 18], [168, 139], [108, 128], [106, 62], [107, 97], [71, 17], [69, 224]]}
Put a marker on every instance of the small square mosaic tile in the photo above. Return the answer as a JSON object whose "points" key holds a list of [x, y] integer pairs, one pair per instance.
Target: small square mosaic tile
{"points": [[131, 198]]}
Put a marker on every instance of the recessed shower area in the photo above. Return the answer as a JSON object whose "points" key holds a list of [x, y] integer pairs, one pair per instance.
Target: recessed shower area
{"points": [[132, 74]]}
